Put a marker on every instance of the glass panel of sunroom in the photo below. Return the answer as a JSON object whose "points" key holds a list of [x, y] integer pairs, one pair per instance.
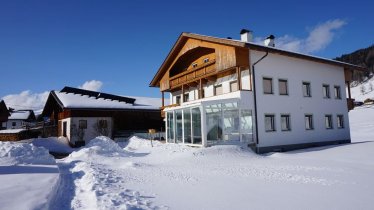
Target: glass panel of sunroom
{"points": [[178, 127], [196, 125], [187, 125], [214, 122], [170, 126], [246, 125], [231, 121]]}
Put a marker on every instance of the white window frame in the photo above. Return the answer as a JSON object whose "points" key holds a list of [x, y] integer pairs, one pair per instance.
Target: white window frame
{"points": [[337, 92], [340, 121], [288, 122], [273, 126], [329, 123], [326, 94], [279, 89], [310, 122], [271, 85], [308, 89]]}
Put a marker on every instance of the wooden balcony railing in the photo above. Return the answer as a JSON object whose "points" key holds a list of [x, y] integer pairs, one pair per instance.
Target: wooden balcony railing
{"points": [[192, 74]]}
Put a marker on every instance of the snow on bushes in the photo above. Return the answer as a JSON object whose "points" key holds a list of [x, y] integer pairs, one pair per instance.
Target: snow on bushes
{"points": [[102, 146], [21, 153]]}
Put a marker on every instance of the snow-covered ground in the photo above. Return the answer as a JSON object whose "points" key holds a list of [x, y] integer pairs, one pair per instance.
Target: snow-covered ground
{"points": [[364, 90], [105, 175], [28, 176]]}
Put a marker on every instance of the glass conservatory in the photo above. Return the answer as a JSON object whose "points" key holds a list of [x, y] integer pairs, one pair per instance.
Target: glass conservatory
{"points": [[208, 123]]}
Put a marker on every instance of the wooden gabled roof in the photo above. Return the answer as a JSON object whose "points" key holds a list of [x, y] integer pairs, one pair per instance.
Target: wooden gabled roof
{"points": [[237, 43]]}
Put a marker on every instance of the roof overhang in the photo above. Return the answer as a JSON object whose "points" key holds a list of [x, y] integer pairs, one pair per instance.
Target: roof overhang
{"points": [[237, 43]]}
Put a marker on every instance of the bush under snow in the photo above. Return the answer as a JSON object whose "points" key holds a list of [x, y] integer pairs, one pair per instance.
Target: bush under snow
{"points": [[102, 146]]}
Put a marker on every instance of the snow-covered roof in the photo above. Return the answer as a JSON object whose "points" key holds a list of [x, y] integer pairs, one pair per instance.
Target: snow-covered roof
{"points": [[20, 115], [12, 130], [78, 101]]}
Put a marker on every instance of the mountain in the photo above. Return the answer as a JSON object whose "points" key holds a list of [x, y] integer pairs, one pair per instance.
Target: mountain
{"points": [[362, 57]]}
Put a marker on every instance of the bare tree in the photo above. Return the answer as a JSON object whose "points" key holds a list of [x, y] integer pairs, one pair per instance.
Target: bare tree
{"points": [[77, 132], [101, 127]]}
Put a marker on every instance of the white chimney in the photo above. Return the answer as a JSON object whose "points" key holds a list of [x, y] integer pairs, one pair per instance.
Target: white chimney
{"points": [[269, 41], [246, 35]]}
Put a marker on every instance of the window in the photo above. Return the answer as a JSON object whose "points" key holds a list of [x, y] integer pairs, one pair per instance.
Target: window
{"points": [[103, 123], [340, 121], [194, 65], [82, 124], [309, 122], [14, 124], [337, 92], [269, 123], [268, 85], [326, 91], [328, 121], [206, 60], [178, 99], [218, 90], [306, 89], [233, 86], [285, 122], [186, 97], [283, 87]]}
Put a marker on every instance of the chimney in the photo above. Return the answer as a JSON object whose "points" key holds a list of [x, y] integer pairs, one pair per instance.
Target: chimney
{"points": [[269, 41], [246, 35]]}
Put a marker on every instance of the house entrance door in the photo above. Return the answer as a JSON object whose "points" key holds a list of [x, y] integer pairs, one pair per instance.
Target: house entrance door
{"points": [[64, 127]]}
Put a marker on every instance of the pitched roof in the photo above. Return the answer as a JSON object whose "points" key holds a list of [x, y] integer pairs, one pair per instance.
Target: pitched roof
{"points": [[238, 43], [97, 95], [22, 115], [74, 98]]}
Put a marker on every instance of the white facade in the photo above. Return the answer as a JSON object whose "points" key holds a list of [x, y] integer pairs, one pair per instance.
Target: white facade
{"points": [[15, 124], [75, 132], [291, 108], [296, 71]]}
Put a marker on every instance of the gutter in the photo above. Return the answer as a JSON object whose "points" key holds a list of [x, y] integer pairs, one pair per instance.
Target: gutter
{"points": [[254, 92]]}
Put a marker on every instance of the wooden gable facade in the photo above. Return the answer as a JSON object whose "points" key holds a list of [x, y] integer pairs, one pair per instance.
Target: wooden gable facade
{"points": [[192, 60]]}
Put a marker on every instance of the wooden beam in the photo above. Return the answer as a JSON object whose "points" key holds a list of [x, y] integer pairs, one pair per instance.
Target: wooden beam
{"points": [[163, 99], [239, 75], [182, 97], [200, 89]]}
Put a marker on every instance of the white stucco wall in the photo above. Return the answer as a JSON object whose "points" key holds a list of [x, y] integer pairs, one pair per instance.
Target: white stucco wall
{"points": [[19, 124], [89, 132], [296, 71]]}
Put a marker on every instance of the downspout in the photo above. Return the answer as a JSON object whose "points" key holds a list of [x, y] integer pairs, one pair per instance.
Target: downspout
{"points": [[254, 93]]}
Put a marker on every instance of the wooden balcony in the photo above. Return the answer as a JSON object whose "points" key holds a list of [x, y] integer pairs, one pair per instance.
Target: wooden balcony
{"points": [[192, 74]]}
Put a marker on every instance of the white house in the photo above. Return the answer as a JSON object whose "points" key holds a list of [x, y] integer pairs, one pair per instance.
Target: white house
{"points": [[225, 90], [20, 119]]}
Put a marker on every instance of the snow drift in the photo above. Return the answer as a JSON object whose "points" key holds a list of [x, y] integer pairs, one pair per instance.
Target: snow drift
{"points": [[21, 153]]}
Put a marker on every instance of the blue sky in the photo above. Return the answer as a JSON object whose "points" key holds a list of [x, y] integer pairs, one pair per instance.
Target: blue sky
{"points": [[46, 45]]}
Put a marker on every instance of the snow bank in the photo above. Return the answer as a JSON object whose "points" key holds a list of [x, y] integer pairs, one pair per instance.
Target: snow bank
{"points": [[28, 176], [102, 146], [21, 153], [53, 144], [12, 130]]}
